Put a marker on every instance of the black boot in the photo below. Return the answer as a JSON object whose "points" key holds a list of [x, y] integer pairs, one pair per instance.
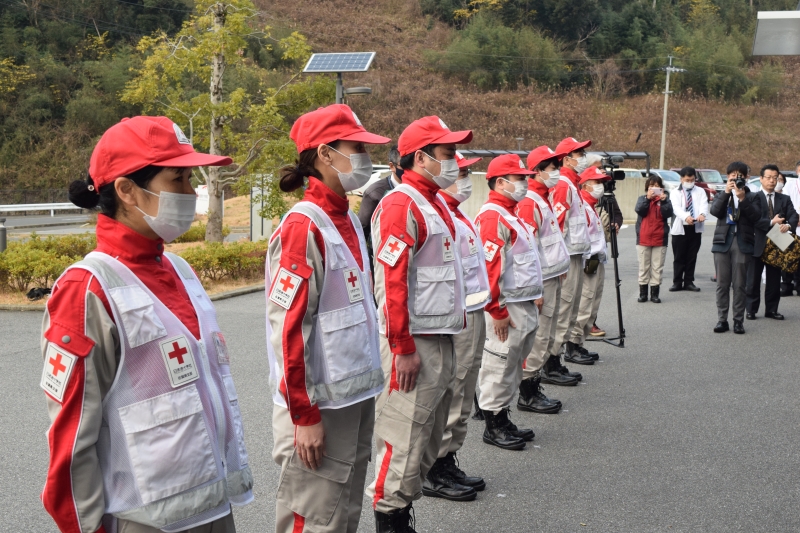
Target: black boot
{"points": [[497, 434], [451, 464], [478, 415], [654, 294], [531, 398], [399, 521], [572, 355], [552, 373], [525, 434], [440, 483], [586, 353], [642, 293]]}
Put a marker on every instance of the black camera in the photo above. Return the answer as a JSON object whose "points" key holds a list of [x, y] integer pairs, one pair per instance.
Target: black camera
{"points": [[740, 182], [611, 164]]}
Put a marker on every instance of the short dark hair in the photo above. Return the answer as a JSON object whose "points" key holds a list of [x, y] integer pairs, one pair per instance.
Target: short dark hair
{"points": [[394, 155], [407, 161], [738, 166], [492, 182], [769, 167], [544, 164], [652, 180], [687, 171]]}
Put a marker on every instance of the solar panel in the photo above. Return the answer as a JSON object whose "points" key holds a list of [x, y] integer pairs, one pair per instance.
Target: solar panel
{"points": [[342, 62]]}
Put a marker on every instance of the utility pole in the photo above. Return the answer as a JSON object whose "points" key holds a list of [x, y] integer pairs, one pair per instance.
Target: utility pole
{"points": [[670, 69]]}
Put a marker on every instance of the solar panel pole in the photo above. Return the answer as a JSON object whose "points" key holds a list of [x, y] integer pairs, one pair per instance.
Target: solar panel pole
{"points": [[339, 89], [670, 69]]}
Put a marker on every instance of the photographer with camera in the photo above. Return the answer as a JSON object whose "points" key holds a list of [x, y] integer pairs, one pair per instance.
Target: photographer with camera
{"points": [[737, 212]]}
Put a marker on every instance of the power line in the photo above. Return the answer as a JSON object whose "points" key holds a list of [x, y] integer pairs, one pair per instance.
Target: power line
{"points": [[563, 60]]}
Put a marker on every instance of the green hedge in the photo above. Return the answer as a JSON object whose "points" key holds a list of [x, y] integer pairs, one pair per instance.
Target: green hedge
{"points": [[197, 233], [237, 260]]}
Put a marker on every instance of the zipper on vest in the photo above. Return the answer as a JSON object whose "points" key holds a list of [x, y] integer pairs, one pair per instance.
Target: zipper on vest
{"points": [[219, 415]]}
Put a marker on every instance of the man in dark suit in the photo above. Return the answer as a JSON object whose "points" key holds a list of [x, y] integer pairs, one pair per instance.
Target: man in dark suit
{"points": [[776, 209], [737, 212]]}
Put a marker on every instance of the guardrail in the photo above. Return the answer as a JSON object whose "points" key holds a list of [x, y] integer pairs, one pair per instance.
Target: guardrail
{"points": [[21, 208]]}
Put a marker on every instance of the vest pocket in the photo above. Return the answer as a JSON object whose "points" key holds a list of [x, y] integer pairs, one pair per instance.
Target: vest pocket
{"points": [[525, 271], [140, 321], [313, 494], [345, 341], [435, 291], [168, 443], [470, 266], [236, 415], [577, 229]]}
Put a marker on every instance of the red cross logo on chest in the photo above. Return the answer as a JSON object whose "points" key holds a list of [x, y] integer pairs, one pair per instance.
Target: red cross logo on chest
{"points": [[471, 241], [58, 366], [177, 353], [287, 283], [447, 243], [352, 279]]}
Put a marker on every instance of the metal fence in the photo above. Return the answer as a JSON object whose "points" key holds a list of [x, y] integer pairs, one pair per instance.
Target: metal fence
{"points": [[33, 196]]}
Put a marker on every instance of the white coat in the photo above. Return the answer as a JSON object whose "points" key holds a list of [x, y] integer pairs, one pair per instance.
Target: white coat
{"points": [[700, 203]]}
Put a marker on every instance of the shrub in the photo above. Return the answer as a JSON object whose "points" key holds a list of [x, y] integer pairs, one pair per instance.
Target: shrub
{"points": [[215, 261], [23, 265], [197, 233]]}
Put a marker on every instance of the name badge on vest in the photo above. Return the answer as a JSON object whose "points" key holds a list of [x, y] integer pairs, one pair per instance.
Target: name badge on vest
{"points": [[222, 348], [553, 225], [58, 366], [447, 249], [353, 283], [179, 359], [473, 247]]}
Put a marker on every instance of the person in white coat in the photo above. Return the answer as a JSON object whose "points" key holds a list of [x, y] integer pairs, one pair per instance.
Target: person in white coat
{"points": [[690, 205]]}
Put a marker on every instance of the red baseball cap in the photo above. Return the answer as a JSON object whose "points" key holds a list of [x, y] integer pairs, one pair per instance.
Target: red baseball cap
{"points": [[539, 154], [134, 143], [335, 122], [464, 162], [429, 130], [507, 165], [593, 173], [569, 145]]}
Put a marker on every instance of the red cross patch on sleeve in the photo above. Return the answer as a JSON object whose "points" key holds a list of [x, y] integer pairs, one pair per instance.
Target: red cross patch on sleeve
{"points": [[559, 208], [58, 365], [489, 250], [284, 288], [391, 251]]}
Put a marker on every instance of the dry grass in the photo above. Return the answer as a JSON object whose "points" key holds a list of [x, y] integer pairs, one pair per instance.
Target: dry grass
{"points": [[701, 133]]}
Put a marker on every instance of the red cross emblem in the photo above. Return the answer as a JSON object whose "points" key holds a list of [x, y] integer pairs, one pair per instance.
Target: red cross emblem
{"points": [[58, 366], [352, 279], [394, 247], [177, 353], [490, 248], [471, 240], [287, 283], [447, 243]]}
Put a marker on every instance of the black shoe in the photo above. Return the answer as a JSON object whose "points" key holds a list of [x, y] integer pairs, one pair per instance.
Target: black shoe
{"points": [[586, 353], [531, 398], [478, 415], [676, 287], [750, 316], [721, 327], [738, 327], [497, 434], [654, 294], [642, 293], [440, 483], [551, 373], [451, 464], [691, 287], [525, 434], [573, 356], [399, 521], [565, 372], [787, 292], [776, 315]]}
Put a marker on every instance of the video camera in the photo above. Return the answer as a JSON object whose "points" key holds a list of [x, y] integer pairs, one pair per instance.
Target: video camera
{"points": [[610, 166]]}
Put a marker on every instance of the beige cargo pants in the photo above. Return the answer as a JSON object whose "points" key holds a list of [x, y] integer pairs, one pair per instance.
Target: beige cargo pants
{"points": [[220, 525], [591, 295], [327, 499], [468, 348], [501, 366], [544, 342], [571, 290], [409, 425]]}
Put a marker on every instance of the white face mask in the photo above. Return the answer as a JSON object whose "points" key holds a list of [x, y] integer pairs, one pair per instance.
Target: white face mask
{"points": [[520, 189], [779, 186], [448, 173], [583, 164], [464, 190], [175, 214], [688, 186], [360, 171], [597, 191], [552, 178]]}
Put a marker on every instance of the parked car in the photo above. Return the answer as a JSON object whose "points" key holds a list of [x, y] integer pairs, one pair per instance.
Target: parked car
{"points": [[632, 172], [709, 179], [671, 179]]}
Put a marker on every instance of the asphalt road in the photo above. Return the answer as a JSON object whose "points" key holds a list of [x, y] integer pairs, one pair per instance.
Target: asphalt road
{"points": [[682, 430]]}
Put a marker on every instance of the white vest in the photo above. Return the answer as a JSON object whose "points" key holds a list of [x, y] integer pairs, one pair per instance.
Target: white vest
{"points": [[473, 262], [522, 280], [597, 237], [436, 301], [553, 251], [575, 232], [345, 360], [171, 447]]}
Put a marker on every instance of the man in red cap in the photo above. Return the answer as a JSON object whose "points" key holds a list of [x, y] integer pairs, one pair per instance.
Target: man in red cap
{"points": [[419, 289], [515, 281], [591, 183], [569, 210], [537, 214], [467, 345]]}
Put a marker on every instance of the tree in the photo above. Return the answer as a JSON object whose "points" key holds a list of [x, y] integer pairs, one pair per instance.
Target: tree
{"points": [[219, 79]]}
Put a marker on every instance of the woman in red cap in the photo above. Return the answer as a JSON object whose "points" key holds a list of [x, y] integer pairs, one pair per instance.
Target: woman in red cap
{"points": [[322, 329], [146, 432], [515, 281]]}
